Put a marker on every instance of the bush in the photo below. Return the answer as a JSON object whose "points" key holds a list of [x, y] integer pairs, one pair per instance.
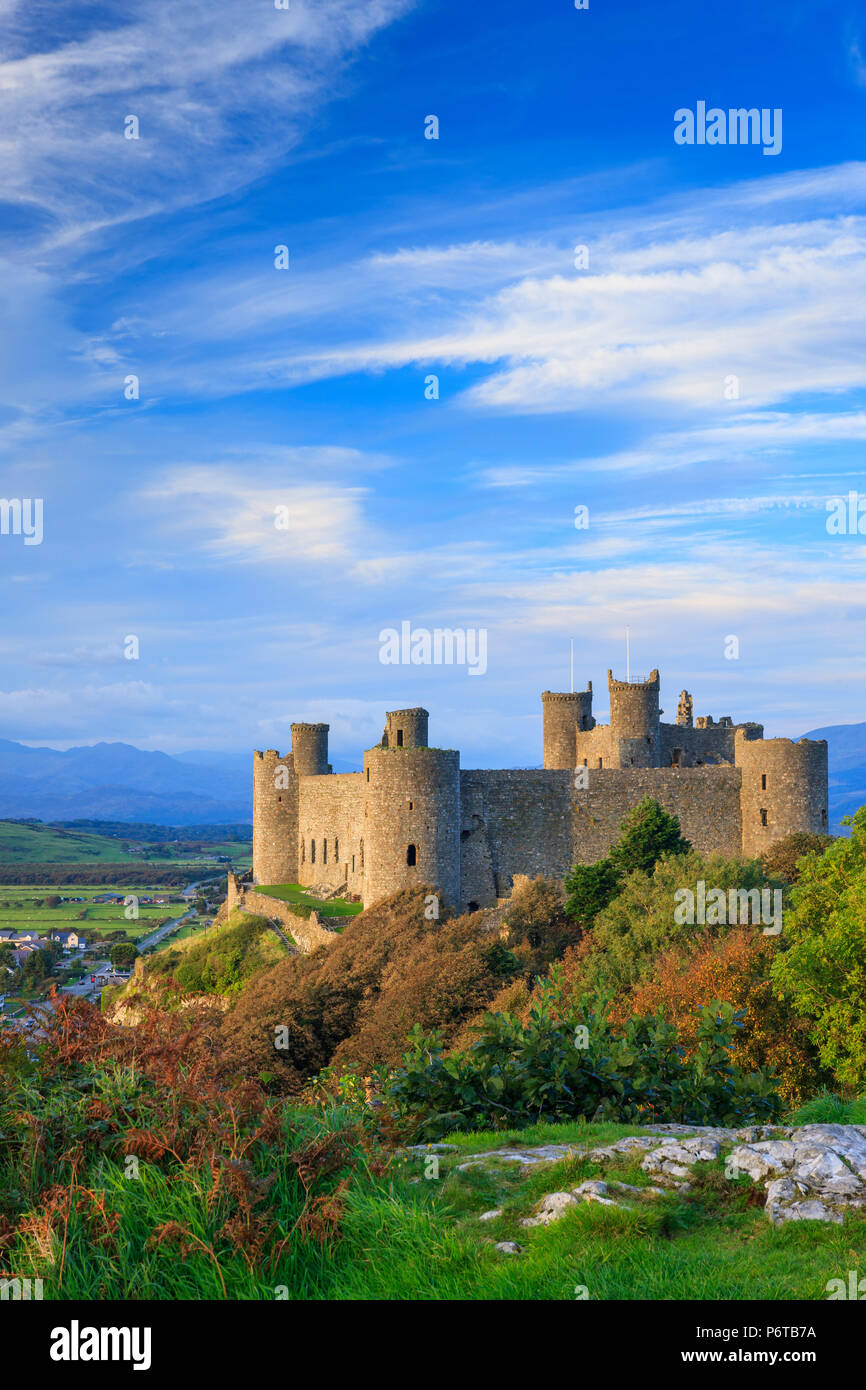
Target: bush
{"points": [[630, 934], [566, 1062], [782, 859], [823, 971], [646, 834], [736, 969], [353, 1003]]}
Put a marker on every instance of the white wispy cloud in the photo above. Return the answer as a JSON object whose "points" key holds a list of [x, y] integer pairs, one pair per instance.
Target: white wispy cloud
{"points": [[221, 93]]}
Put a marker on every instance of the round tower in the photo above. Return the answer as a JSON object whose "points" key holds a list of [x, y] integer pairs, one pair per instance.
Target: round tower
{"points": [[310, 749], [411, 821], [406, 728], [783, 788], [275, 818], [563, 716], [634, 720]]}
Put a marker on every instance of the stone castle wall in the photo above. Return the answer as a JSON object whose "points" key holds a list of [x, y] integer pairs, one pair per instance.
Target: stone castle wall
{"points": [[308, 933], [331, 831], [413, 817], [412, 821], [784, 789]]}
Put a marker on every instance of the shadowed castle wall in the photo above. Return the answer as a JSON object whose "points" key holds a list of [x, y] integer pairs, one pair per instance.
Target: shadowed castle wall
{"points": [[706, 800], [785, 781], [711, 744], [527, 814]]}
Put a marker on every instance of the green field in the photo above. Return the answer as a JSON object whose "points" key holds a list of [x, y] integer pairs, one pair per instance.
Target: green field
{"points": [[46, 844], [300, 897], [98, 917]]}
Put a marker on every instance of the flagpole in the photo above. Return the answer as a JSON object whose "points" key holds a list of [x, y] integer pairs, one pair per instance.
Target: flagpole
{"points": [[627, 658], [572, 665]]}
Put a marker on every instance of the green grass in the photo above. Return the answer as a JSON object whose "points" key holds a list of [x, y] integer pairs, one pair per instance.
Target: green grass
{"points": [[297, 896], [716, 1245], [220, 960], [406, 1236], [99, 917], [43, 844], [47, 844], [827, 1109]]}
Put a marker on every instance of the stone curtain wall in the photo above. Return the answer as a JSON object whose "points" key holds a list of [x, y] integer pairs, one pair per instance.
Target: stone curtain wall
{"points": [[706, 800], [528, 817], [307, 933], [331, 808], [538, 822]]}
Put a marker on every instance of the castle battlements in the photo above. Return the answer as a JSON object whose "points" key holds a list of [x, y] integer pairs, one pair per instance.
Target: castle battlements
{"points": [[413, 816]]}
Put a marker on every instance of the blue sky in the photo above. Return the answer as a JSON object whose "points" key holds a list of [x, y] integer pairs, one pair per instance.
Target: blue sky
{"points": [[304, 388]]}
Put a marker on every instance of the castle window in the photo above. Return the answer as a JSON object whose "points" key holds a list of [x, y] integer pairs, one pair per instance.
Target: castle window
{"points": [[279, 798], [586, 762], [763, 781], [411, 805], [411, 855], [353, 863], [362, 853], [368, 774], [763, 817], [472, 906], [675, 757], [399, 738], [824, 819], [336, 851], [324, 851], [312, 851], [303, 852], [601, 762]]}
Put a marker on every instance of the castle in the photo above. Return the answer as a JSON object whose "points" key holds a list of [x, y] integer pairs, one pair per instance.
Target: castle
{"points": [[414, 816]]}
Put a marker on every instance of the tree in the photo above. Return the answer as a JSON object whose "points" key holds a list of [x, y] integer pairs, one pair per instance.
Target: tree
{"points": [[53, 900], [782, 858], [823, 971], [590, 887], [641, 922], [646, 833], [122, 955]]}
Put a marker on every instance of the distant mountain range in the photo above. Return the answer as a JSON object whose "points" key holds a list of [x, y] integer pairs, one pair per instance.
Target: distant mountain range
{"points": [[114, 781]]}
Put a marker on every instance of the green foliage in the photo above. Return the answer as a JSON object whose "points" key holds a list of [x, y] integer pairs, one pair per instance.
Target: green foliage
{"points": [[590, 887], [565, 1062], [639, 924], [823, 970], [828, 1109], [123, 955], [646, 834], [222, 961]]}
